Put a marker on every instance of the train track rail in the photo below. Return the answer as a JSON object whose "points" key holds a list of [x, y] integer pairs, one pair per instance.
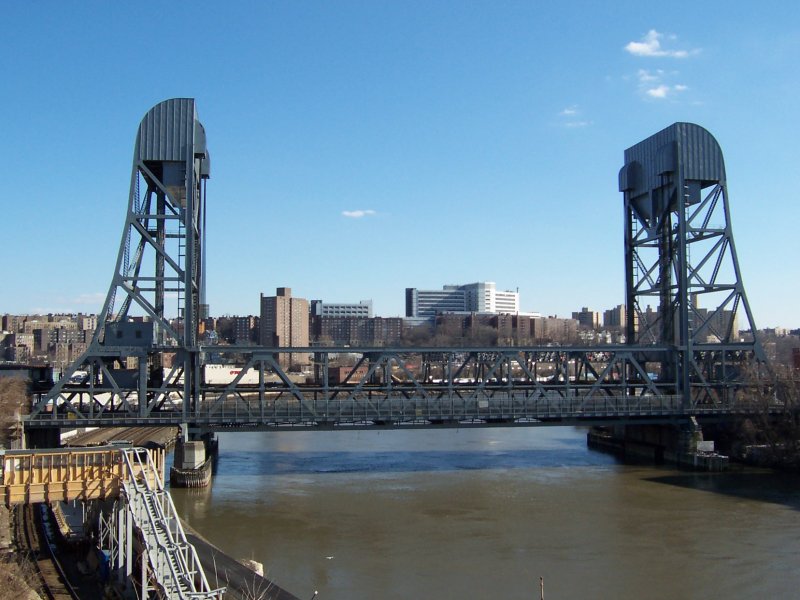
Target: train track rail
{"points": [[138, 436], [34, 545]]}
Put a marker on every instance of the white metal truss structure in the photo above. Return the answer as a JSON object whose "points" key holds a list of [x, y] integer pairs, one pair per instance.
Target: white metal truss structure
{"points": [[160, 259], [145, 538], [684, 286]]}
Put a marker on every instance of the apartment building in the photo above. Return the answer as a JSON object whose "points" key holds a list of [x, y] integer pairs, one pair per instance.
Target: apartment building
{"points": [[284, 324]]}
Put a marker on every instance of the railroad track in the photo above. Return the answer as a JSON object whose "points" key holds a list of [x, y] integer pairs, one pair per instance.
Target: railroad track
{"points": [[136, 435], [33, 545]]}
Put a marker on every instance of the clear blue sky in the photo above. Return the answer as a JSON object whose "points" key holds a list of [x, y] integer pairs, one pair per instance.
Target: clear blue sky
{"points": [[479, 141]]}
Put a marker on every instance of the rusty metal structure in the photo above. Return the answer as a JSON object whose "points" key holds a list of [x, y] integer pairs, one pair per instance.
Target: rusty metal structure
{"points": [[67, 475]]}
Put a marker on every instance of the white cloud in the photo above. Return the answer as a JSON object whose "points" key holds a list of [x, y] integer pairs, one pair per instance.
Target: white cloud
{"points": [[652, 84], [646, 76], [570, 117], [658, 92], [358, 214], [650, 45], [662, 91]]}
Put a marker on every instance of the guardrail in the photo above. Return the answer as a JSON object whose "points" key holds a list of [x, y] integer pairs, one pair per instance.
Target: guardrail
{"points": [[404, 407]]}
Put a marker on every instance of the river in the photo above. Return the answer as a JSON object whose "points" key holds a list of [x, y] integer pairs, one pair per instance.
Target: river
{"points": [[484, 513]]}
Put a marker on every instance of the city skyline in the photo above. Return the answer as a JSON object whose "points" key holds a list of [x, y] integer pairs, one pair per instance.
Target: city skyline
{"points": [[358, 150]]}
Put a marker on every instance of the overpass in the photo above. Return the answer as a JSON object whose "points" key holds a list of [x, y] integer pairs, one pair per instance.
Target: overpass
{"points": [[680, 361]]}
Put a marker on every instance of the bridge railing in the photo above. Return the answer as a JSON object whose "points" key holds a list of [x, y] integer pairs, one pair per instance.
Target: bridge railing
{"points": [[403, 403], [401, 408]]}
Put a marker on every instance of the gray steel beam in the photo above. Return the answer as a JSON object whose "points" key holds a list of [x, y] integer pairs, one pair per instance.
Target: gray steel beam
{"points": [[494, 385]]}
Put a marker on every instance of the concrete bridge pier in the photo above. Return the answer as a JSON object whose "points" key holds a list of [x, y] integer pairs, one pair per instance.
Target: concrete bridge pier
{"points": [[681, 444], [195, 454]]}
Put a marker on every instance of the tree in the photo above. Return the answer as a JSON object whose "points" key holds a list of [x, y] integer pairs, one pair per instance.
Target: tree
{"points": [[776, 429], [13, 403]]}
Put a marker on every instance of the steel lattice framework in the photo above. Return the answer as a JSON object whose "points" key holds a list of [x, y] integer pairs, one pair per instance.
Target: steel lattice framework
{"points": [[680, 256], [145, 513], [680, 360], [160, 257]]}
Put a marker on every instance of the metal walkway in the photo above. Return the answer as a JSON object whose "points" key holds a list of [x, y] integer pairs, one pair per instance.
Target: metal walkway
{"points": [[142, 533], [172, 560]]}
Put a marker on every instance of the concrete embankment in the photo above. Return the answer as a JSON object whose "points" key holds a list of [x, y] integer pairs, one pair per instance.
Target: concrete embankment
{"points": [[222, 570]]}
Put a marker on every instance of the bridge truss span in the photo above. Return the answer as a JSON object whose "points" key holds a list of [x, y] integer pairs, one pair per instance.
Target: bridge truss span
{"points": [[408, 387]]}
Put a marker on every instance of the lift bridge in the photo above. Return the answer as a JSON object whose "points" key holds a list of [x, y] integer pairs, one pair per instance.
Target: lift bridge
{"points": [[682, 357]]}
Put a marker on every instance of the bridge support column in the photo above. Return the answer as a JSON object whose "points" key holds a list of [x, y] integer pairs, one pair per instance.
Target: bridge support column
{"points": [[681, 444], [49, 437], [193, 460], [211, 444]]}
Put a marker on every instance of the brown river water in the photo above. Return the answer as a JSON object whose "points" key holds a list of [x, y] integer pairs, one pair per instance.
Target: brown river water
{"points": [[484, 513]]}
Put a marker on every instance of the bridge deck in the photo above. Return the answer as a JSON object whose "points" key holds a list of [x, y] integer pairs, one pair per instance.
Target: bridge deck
{"points": [[411, 387], [303, 408]]}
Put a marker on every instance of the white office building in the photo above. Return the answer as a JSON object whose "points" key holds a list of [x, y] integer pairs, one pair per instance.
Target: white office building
{"points": [[479, 297]]}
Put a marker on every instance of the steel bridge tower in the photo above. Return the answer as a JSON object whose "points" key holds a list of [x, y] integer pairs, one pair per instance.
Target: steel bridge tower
{"points": [[160, 263], [684, 296], [683, 283]]}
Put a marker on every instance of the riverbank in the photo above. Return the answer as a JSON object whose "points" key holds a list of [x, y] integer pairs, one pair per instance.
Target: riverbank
{"points": [[241, 581], [604, 440]]}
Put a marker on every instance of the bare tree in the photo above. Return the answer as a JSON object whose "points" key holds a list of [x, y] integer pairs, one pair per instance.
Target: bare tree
{"points": [[13, 404], [775, 431]]}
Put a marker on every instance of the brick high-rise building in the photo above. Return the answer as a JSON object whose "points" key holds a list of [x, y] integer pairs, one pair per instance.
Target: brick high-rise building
{"points": [[284, 324], [245, 329], [86, 322], [615, 318], [588, 319], [357, 331]]}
